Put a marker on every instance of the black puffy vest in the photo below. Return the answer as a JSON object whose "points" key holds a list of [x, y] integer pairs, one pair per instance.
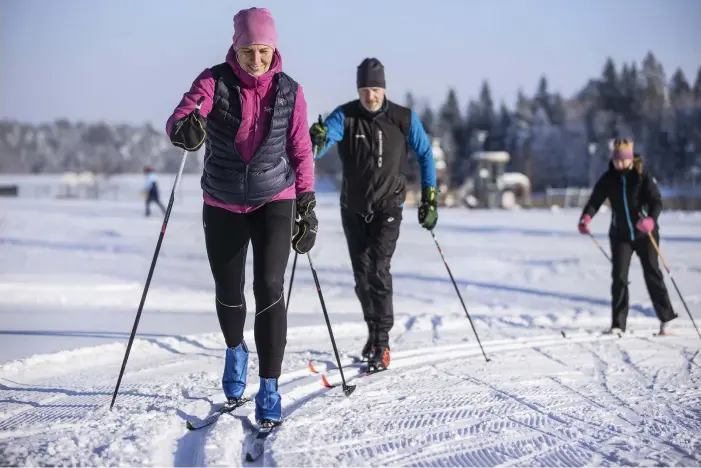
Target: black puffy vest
{"points": [[226, 177], [374, 156]]}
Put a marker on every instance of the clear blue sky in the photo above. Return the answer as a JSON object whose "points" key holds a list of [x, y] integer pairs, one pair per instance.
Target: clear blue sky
{"points": [[131, 60]]}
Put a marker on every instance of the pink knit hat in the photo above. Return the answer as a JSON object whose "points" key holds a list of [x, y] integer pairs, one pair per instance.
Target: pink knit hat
{"points": [[254, 26]]}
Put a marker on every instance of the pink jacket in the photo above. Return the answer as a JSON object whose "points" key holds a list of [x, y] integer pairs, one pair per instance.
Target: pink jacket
{"points": [[257, 94]]}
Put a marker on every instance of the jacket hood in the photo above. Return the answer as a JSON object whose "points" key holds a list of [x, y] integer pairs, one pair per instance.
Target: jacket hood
{"points": [[249, 81]]}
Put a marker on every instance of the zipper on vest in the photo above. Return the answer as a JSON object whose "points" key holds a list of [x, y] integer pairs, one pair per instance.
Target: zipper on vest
{"points": [[245, 185], [245, 164], [379, 149], [625, 205], [272, 120], [238, 90]]}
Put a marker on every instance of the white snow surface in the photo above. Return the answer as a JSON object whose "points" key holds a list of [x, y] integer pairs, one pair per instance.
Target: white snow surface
{"points": [[72, 274]]}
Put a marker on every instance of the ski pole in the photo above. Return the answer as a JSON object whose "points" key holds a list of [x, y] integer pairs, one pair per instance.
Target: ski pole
{"points": [[292, 278], [669, 272], [294, 263], [440, 251], [596, 243], [347, 389], [153, 267]]}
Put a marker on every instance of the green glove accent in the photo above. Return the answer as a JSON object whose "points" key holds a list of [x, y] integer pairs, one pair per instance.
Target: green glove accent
{"points": [[428, 210], [318, 132]]}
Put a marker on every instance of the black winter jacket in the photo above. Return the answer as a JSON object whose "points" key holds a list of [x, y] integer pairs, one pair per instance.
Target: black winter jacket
{"points": [[633, 194]]}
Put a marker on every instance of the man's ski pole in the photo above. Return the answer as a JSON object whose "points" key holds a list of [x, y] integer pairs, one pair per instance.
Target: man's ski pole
{"points": [[347, 389], [153, 267], [440, 251], [669, 272]]}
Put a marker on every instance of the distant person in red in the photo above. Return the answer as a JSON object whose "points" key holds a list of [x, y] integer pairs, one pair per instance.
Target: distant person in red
{"points": [[151, 193]]}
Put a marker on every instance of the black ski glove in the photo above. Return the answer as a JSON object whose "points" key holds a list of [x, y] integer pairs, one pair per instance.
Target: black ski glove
{"points": [[317, 133], [306, 224], [428, 214], [189, 132]]}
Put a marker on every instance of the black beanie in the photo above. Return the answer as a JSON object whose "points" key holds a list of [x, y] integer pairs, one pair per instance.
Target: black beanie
{"points": [[371, 74]]}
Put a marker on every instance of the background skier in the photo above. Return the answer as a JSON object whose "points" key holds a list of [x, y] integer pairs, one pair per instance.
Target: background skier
{"points": [[374, 134], [258, 160], [151, 192], [636, 205]]}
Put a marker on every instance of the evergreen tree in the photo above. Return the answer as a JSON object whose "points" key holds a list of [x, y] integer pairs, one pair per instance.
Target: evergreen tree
{"points": [[487, 117], [680, 93], [505, 120], [558, 112], [610, 89], [524, 111], [653, 84], [632, 98], [409, 100], [542, 97], [697, 88], [428, 120], [653, 107], [449, 116]]}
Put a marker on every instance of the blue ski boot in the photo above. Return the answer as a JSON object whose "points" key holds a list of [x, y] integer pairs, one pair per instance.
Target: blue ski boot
{"points": [[235, 370], [268, 403]]}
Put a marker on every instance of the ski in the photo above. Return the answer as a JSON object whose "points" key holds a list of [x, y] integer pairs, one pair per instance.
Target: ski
{"points": [[213, 417], [362, 371], [257, 445], [595, 333], [368, 371], [351, 361]]}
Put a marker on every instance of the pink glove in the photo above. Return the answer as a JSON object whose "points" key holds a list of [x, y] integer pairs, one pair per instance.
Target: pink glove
{"points": [[646, 225], [584, 224]]}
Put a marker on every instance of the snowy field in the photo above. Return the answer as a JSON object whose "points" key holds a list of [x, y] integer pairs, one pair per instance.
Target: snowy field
{"points": [[71, 277]]}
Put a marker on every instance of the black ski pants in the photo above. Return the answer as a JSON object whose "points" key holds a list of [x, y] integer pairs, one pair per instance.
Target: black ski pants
{"points": [[621, 253], [371, 244], [227, 235]]}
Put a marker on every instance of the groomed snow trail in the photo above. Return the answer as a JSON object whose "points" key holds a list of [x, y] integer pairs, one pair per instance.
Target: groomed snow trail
{"points": [[68, 300], [542, 400]]}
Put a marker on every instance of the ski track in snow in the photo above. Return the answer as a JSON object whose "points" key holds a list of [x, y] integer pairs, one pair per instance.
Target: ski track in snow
{"points": [[441, 408], [543, 399]]}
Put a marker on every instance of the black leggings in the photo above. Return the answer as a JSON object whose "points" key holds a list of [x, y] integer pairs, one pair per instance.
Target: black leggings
{"points": [[227, 234]]}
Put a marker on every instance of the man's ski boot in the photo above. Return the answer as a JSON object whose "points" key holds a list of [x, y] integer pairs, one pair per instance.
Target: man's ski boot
{"points": [[234, 378], [379, 360], [369, 348], [615, 331], [268, 404], [664, 329]]}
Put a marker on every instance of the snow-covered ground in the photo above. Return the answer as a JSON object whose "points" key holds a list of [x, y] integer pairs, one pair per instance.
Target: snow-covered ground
{"points": [[72, 273]]}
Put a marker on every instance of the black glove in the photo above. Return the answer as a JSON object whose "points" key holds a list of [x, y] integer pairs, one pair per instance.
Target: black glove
{"points": [[189, 132], [306, 224], [317, 133], [428, 214]]}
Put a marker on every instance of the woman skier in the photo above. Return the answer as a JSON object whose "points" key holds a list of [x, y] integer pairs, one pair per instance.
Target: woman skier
{"points": [[636, 204], [257, 183]]}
